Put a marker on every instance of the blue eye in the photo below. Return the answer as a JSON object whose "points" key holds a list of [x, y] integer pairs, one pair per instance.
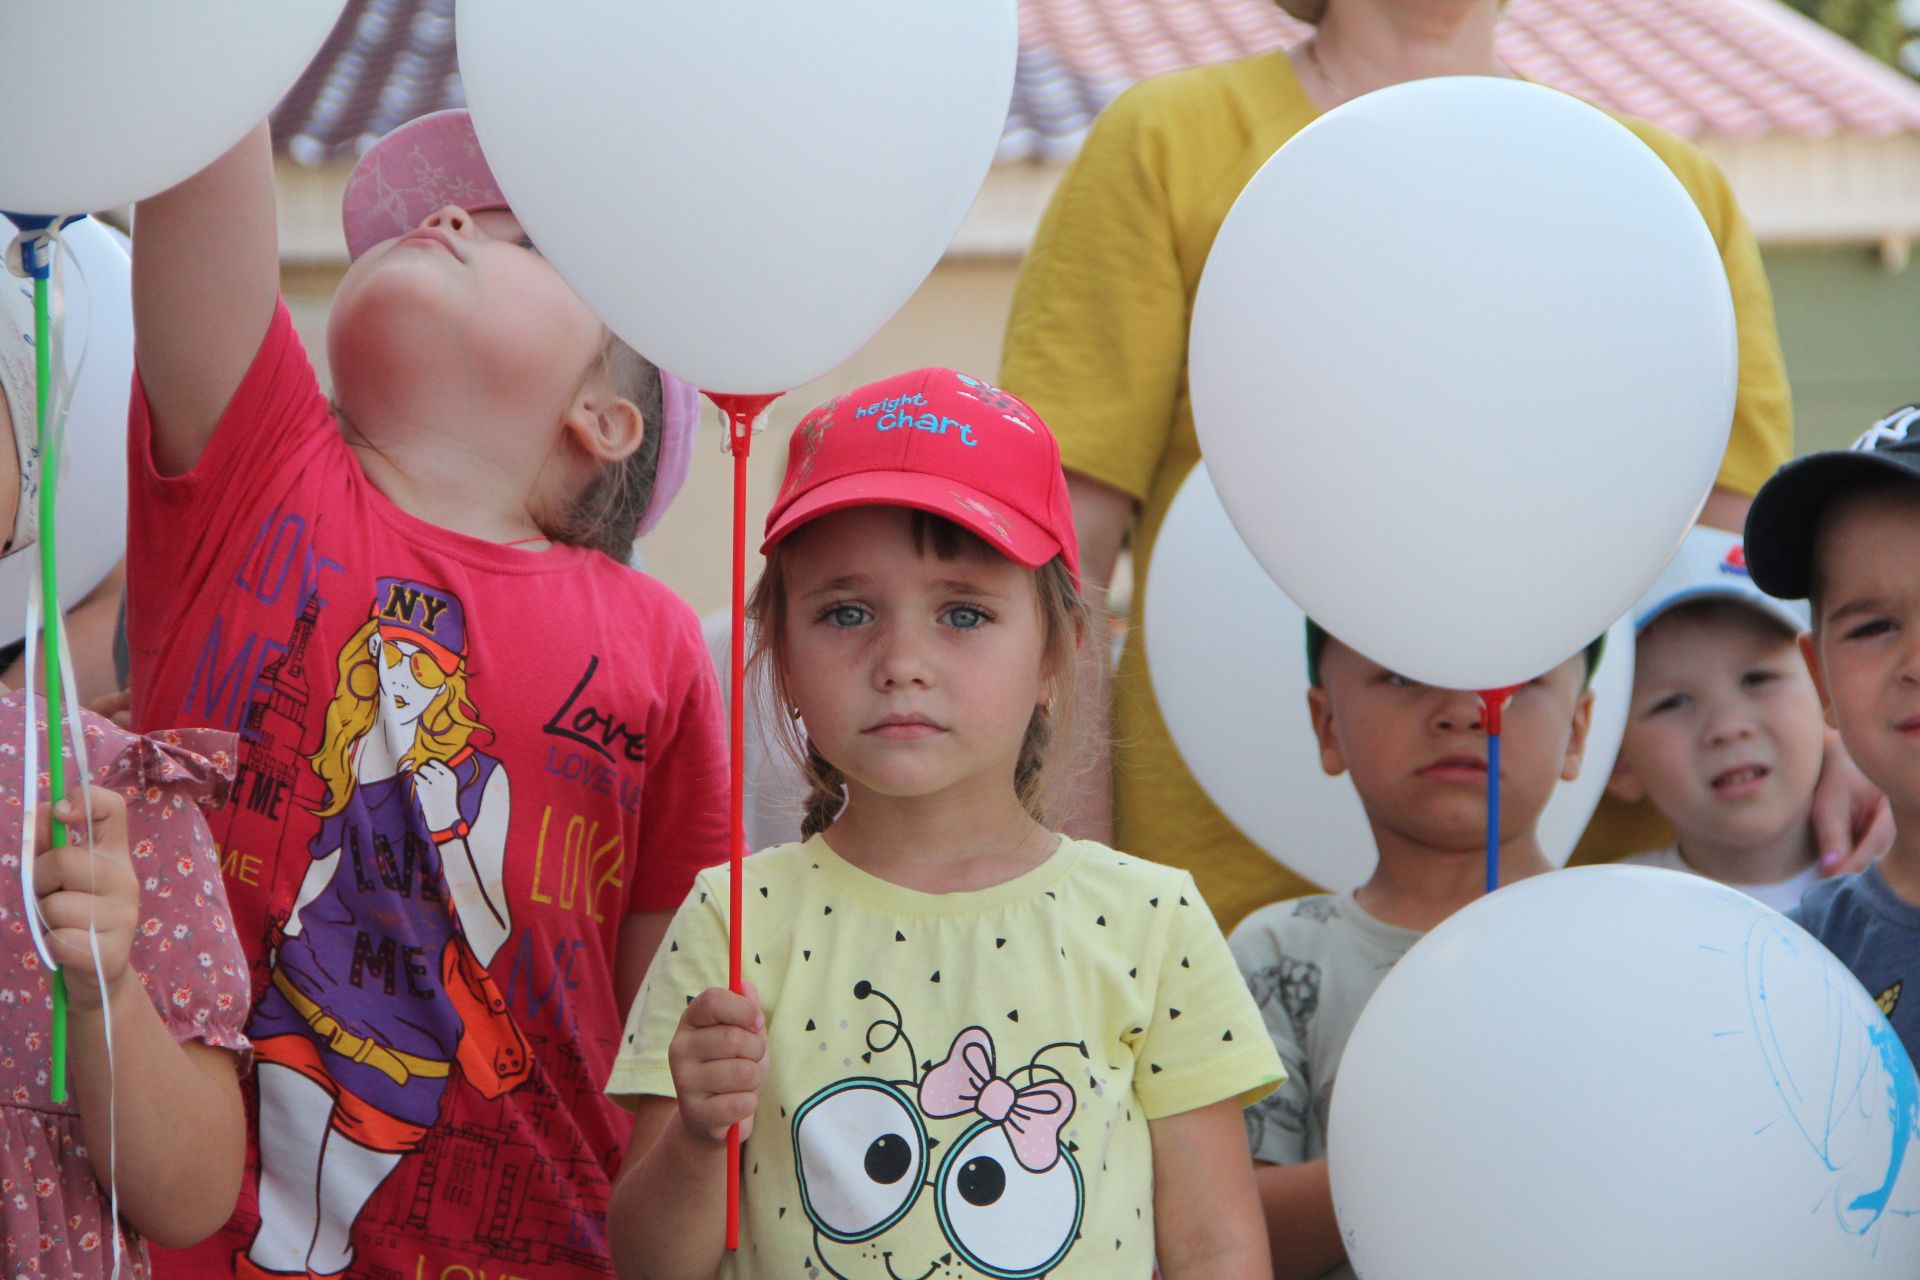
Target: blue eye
{"points": [[844, 615], [967, 617]]}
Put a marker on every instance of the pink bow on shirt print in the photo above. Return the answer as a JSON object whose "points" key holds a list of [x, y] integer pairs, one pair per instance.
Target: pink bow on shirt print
{"points": [[1031, 1118]]}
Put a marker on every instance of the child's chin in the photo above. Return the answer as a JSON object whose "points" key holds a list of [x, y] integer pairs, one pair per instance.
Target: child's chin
{"points": [[1442, 839], [394, 302], [1744, 832]]}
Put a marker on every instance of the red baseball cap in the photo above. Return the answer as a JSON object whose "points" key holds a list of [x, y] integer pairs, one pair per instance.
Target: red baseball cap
{"points": [[937, 441]]}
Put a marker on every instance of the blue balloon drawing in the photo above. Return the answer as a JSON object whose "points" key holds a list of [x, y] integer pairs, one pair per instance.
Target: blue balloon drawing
{"points": [[1853, 1094]]}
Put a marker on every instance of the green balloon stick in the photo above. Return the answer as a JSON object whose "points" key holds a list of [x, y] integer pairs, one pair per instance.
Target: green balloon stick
{"points": [[50, 623]]}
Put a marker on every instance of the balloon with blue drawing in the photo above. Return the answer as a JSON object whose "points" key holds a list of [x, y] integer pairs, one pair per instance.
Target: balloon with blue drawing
{"points": [[1617, 1071], [1005, 1198], [1850, 1094]]}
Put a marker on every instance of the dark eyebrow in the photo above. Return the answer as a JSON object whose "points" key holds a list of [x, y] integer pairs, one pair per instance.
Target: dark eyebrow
{"points": [[964, 587], [845, 582], [1866, 605]]}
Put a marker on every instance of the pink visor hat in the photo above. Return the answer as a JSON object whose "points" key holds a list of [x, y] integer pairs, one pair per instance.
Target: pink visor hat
{"points": [[941, 442], [433, 161]]}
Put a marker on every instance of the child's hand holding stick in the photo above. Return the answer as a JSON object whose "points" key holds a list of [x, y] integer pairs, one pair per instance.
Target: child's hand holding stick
{"points": [[88, 885], [162, 1119], [719, 1063]]}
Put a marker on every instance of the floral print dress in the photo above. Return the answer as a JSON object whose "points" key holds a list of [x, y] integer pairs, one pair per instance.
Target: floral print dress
{"points": [[185, 951]]}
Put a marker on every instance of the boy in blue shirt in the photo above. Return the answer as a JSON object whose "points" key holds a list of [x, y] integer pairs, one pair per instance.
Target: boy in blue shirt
{"points": [[1841, 528]]}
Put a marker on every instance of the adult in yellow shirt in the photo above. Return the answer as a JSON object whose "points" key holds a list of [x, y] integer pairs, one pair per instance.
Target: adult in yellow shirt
{"points": [[1097, 343]]}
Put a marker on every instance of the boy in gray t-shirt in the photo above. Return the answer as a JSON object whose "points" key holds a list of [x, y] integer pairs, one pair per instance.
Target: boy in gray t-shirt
{"points": [[1312, 963], [1418, 758]]}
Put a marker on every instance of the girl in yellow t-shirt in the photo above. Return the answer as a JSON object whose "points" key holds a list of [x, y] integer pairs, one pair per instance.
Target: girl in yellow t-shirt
{"points": [[969, 1045]]}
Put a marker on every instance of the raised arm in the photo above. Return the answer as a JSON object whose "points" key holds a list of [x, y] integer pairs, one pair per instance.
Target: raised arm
{"points": [[206, 274]]}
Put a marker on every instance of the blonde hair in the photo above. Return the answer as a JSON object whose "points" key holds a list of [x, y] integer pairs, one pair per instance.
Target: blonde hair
{"points": [[442, 732], [1065, 621]]}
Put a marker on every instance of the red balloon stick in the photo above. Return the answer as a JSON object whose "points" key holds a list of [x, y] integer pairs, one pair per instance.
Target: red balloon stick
{"points": [[741, 411]]}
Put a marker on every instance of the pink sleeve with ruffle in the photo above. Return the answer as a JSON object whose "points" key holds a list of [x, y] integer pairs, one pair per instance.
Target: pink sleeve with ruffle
{"points": [[185, 947]]}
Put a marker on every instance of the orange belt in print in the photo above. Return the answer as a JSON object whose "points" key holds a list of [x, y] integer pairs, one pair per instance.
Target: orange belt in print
{"points": [[392, 1063]]}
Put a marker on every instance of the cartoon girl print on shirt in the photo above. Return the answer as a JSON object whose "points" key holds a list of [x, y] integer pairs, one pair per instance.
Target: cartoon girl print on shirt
{"points": [[379, 985], [1007, 1194]]}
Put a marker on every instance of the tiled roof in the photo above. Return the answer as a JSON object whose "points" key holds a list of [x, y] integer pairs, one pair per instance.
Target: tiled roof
{"points": [[386, 62], [1702, 68]]}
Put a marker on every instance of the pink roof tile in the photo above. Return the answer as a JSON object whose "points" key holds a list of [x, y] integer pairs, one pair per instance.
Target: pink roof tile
{"points": [[1702, 68]]}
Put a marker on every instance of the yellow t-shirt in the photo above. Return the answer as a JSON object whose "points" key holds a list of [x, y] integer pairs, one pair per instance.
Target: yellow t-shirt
{"points": [[962, 1081], [1097, 343]]}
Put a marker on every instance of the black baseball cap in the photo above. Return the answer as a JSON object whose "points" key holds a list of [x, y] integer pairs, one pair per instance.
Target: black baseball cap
{"points": [[1786, 512]]}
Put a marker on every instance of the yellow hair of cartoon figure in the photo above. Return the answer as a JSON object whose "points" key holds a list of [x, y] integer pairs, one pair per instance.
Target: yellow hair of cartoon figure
{"points": [[441, 733]]}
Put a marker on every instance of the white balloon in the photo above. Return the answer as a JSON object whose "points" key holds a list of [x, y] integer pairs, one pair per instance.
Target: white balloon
{"points": [[108, 102], [744, 191], [1226, 650], [1620, 1071], [91, 509], [1463, 360]]}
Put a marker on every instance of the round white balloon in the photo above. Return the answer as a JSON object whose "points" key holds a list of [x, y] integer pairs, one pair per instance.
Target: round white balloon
{"points": [[92, 505], [1620, 1071], [109, 102], [744, 191], [1226, 650], [1463, 360]]}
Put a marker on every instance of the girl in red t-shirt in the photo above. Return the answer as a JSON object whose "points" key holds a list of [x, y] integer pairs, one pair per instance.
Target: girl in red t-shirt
{"points": [[481, 756]]}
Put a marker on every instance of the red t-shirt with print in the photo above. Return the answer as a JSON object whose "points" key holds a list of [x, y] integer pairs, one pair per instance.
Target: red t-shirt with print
{"points": [[463, 766]]}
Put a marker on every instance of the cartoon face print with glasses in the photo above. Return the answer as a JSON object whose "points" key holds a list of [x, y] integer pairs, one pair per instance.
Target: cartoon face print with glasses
{"points": [[1004, 1200]]}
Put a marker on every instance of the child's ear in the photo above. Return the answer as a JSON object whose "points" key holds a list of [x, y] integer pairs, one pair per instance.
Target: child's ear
{"points": [[1577, 736], [1810, 654], [608, 428], [1625, 784], [1320, 711]]}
